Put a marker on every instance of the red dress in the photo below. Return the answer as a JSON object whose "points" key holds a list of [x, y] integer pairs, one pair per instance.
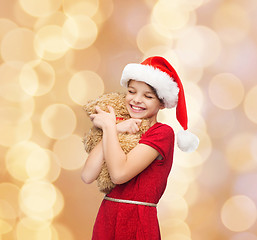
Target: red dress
{"points": [[123, 221]]}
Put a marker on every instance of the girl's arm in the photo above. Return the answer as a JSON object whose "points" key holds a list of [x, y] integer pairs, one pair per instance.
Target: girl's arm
{"points": [[121, 167], [124, 167], [93, 164]]}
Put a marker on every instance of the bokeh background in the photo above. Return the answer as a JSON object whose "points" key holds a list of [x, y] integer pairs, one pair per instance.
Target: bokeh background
{"points": [[57, 54]]}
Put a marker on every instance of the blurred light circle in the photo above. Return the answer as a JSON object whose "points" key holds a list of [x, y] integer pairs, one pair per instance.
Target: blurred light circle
{"points": [[21, 17], [187, 5], [186, 175], [238, 213], [104, 12], [63, 231], [54, 167], [194, 97], [205, 146], [38, 196], [49, 43], [244, 235], [177, 237], [79, 31], [43, 209], [16, 112], [80, 7], [6, 25], [239, 154], [227, 123], [37, 78], [216, 163], [5, 227], [59, 203], [17, 45], [177, 186], [11, 134], [6, 210], [58, 121], [9, 193], [231, 22], [9, 81], [198, 46], [57, 18], [77, 60], [40, 8], [29, 228], [250, 104], [7, 217], [192, 194], [193, 160], [226, 91], [169, 16], [174, 204], [29, 80], [37, 164], [84, 86], [244, 185], [16, 159], [192, 74], [54, 233], [253, 147], [46, 214], [171, 225], [148, 38], [70, 152]]}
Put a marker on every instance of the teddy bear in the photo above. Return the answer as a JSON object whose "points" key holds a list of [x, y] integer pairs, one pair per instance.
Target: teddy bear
{"points": [[127, 140]]}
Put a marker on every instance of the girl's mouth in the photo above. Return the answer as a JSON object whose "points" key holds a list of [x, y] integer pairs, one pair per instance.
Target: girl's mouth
{"points": [[137, 108]]}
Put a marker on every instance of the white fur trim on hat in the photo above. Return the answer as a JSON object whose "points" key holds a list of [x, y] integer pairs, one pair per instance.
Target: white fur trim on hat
{"points": [[166, 88], [187, 141]]}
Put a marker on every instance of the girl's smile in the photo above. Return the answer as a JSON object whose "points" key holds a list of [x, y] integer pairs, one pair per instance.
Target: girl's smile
{"points": [[137, 109], [141, 101]]}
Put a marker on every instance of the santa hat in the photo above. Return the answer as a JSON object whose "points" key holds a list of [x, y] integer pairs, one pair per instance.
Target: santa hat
{"points": [[157, 72]]}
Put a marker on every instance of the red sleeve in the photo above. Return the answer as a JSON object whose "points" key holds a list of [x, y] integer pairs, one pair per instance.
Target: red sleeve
{"points": [[161, 138]]}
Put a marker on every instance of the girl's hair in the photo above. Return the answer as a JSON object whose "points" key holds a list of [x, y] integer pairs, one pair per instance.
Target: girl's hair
{"points": [[153, 89]]}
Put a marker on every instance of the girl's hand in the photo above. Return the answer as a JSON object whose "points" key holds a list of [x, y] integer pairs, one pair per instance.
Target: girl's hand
{"points": [[103, 119], [129, 126]]}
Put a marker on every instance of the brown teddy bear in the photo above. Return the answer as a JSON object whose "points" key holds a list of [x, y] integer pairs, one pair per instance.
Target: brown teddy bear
{"points": [[127, 141]]}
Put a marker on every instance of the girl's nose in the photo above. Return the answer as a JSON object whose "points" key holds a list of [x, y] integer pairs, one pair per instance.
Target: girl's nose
{"points": [[137, 99]]}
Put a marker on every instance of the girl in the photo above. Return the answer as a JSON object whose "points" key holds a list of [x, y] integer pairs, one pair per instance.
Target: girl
{"points": [[129, 212]]}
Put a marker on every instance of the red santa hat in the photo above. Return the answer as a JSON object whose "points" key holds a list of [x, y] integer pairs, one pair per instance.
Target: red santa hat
{"points": [[157, 72]]}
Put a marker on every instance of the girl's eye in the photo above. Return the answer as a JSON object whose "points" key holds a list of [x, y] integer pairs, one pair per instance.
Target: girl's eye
{"points": [[130, 91], [148, 96]]}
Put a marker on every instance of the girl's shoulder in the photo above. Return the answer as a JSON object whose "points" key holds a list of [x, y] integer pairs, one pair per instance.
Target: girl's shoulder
{"points": [[160, 137], [160, 129]]}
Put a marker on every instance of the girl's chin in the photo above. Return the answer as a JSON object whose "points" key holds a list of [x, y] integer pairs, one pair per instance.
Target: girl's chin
{"points": [[136, 115]]}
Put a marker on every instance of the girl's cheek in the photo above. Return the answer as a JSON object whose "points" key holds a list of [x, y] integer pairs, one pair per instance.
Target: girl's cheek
{"points": [[128, 98]]}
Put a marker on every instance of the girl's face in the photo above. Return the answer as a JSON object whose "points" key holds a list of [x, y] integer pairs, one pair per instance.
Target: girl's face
{"points": [[142, 102]]}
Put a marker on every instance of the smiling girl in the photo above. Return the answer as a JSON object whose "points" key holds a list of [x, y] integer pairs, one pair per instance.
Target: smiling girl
{"points": [[129, 210]]}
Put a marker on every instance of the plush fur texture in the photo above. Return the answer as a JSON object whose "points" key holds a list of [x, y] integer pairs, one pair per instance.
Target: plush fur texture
{"points": [[127, 141]]}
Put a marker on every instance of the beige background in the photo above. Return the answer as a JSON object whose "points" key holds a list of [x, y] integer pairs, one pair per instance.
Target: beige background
{"points": [[55, 55]]}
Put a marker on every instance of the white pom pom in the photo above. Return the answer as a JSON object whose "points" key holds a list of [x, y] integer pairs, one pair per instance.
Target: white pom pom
{"points": [[187, 141]]}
